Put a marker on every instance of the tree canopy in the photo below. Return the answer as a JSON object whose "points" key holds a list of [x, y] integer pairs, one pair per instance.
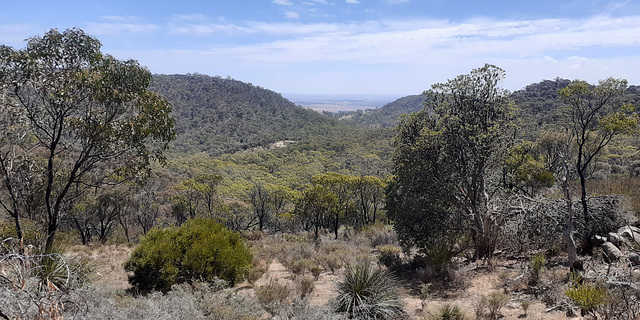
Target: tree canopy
{"points": [[443, 161], [74, 119]]}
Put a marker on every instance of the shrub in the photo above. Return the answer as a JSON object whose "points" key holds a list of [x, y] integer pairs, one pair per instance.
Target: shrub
{"points": [[316, 271], [589, 297], [479, 307], [301, 266], [368, 292], [525, 306], [200, 249], [306, 286], [538, 265], [389, 256], [254, 273], [495, 302], [272, 295], [449, 312]]}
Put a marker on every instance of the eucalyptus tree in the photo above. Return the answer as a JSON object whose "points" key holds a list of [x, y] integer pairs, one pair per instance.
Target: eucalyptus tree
{"points": [[445, 159], [595, 118], [83, 118]]}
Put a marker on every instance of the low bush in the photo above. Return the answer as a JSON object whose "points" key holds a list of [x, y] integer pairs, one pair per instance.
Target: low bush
{"points": [[389, 256], [538, 265], [588, 296], [272, 295], [449, 312], [200, 249], [305, 286], [369, 292], [495, 302]]}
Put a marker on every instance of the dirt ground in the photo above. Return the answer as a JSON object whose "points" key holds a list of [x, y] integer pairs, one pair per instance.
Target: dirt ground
{"points": [[108, 272]]}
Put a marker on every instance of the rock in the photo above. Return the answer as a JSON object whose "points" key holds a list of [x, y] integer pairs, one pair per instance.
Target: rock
{"points": [[598, 241], [615, 239], [612, 252], [621, 230], [634, 258], [630, 235]]}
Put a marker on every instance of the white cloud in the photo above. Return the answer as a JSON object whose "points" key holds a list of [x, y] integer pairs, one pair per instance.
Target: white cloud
{"points": [[292, 15], [283, 2], [353, 1], [189, 17], [119, 28], [397, 1], [410, 52]]}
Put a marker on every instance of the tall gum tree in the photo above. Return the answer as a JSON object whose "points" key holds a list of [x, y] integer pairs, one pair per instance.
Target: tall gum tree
{"points": [[595, 118], [83, 118]]}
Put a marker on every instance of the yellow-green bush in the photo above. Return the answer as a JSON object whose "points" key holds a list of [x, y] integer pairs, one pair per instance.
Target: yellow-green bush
{"points": [[588, 296], [200, 249]]}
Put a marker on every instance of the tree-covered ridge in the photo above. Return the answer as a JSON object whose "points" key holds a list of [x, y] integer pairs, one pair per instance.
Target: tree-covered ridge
{"points": [[387, 116], [539, 105], [217, 116]]}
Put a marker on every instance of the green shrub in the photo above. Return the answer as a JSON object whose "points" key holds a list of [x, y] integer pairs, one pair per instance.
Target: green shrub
{"points": [[495, 302], [368, 292], [538, 265], [389, 256], [316, 271], [589, 297], [306, 286], [31, 233], [525, 306], [200, 249], [449, 312]]}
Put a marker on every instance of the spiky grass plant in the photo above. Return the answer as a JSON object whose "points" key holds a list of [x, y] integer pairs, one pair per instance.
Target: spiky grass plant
{"points": [[369, 292]]}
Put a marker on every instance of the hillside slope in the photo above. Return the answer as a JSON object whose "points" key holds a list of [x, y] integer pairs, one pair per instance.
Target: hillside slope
{"points": [[387, 116], [217, 116], [539, 105]]}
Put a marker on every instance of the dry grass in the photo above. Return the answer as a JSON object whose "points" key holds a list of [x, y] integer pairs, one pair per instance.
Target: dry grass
{"points": [[296, 292], [628, 186]]}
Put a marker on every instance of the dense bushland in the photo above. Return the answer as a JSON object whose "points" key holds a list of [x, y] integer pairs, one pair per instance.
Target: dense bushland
{"points": [[200, 249]]}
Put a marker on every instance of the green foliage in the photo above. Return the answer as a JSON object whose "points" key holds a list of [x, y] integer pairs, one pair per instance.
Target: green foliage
{"points": [[271, 296], [88, 114], [31, 233], [495, 302], [525, 306], [218, 116], [525, 170], [595, 116], [387, 116], [588, 296], [305, 286], [389, 256], [443, 163], [200, 249], [538, 265], [316, 271], [368, 292], [449, 312]]}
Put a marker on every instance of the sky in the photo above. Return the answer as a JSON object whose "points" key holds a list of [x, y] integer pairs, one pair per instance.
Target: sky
{"points": [[351, 46]]}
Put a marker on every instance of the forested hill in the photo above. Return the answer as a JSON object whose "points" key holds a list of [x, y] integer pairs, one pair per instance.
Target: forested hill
{"points": [[539, 104], [387, 116], [217, 116]]}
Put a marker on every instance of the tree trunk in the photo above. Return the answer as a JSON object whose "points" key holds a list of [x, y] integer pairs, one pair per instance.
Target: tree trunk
{"points": [[585, 212], [567, 230], [568, 226], [336, 223]]}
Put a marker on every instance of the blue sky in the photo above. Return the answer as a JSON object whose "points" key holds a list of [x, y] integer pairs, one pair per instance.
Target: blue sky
{"points": [[351, 46]]}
